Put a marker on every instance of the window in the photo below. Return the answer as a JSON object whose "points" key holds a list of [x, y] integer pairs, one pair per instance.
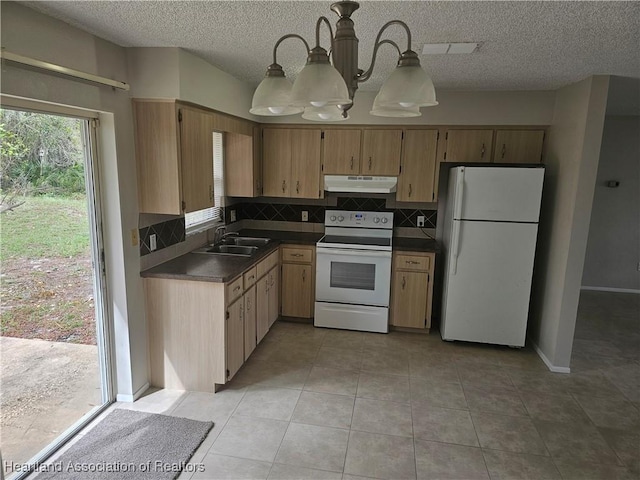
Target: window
{"points": [[203, 219]]}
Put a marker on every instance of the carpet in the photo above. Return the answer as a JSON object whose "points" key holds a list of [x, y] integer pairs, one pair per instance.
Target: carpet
{"points": [[130, 445]]}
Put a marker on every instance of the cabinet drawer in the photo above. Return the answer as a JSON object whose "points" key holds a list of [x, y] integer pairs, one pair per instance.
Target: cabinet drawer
{"points": [[250, 277], [267, 264], [234, 290], [297, 255], [413, 262]]}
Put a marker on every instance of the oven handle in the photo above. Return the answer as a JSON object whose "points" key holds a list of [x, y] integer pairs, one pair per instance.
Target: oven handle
{"points": [[353, 253]]}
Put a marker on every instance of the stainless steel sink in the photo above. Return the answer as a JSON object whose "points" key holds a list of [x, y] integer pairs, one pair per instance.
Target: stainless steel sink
{"points": [[246, 241], [243, 250]]}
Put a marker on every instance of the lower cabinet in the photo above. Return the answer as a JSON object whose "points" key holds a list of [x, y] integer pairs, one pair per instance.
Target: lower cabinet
{"points": [[411, 289], [235, 337], [298, 281], [250, 324], [267, 296]]}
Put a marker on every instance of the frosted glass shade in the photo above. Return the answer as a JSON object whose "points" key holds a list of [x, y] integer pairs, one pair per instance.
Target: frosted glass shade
{"points": [[329, 113], [395, 111], [273, 98], [319, 85], [407, 87]]}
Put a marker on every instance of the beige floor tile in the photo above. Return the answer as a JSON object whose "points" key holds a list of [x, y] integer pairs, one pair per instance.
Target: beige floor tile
{"points": [[215, 407], [343, 358], [380, 456], [442, 461], [610, 412], [385, 361], [324, 409], [249, 437], [443, 425], [592, 471], [554, 408], [511, 434], [268, 402], [394, 388], [331, 380], [291, 472], [346, 476], [576, 442], [495, 399], [379, 416], [538, 383], [626, 445], [593, 385], [344, 339], [223, 467], [448, 395], [480, 374], [424, 367], [519, 466], [275, 374], [311, 446]]}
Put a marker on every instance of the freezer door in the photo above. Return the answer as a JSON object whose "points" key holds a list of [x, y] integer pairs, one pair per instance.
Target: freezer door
{"points": [[487, 287], [500, 194]]}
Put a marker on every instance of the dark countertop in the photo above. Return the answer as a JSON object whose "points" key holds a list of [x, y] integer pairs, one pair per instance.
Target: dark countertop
{"points": [[298, 238], [415, 244]]}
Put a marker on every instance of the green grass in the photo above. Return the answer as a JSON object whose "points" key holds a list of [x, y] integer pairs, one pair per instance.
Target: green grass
{"points": [[45, 227]]}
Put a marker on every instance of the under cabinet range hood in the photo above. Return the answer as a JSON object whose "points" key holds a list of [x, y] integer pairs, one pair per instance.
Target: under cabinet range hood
{"points": [[364, 184]]}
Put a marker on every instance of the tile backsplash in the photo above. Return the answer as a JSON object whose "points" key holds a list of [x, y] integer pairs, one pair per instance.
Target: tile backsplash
{"points": [[167, 233]]}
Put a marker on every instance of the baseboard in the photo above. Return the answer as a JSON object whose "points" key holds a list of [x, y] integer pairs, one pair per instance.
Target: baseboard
{"points": [[547, 362], [610, 289], [121, 397]]}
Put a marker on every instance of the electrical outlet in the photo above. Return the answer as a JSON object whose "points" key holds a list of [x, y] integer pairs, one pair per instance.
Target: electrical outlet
{"points": [[152, 242], [420, 221], [134, 237], [233, 216], [305, 216]]}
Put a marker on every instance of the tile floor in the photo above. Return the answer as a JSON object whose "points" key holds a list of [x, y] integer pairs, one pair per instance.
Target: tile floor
{"points": [[328, 404]]}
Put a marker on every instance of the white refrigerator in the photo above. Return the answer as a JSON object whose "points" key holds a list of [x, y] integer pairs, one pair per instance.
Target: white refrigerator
{"points": [[489, 240]]}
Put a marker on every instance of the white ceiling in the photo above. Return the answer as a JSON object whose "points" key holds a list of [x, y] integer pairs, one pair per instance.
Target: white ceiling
{"points": [[525, 45]]}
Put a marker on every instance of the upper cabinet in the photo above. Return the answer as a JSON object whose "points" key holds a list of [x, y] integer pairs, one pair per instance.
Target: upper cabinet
{"points": [[381, 151], [417, 173], [242, 164], [291, 162], [341, 152], [468, 145], [518, 146]]}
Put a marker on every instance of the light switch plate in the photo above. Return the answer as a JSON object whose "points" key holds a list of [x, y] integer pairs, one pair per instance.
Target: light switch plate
{"points": [[152, 242], [134, 237], [305, 216], [233, 216], [420, 221]]}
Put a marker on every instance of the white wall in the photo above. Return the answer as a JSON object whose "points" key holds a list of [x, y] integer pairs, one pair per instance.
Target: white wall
{"points": [[32, 34], [572, 154], [613, 248]]}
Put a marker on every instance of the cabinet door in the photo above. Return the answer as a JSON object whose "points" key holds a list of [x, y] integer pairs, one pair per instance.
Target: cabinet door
{"points": [[381, 152], [341, 152], [276, 162], [409, 299], [235, 337], [274, 295], [518, 146], [305, 163], [196, 150], [262, 308], [249, 321], [239, 171], [296, 290], [417, 175], [468, 145]]}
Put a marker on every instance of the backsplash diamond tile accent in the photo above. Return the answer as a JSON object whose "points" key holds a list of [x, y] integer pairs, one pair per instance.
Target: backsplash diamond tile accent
{"points": [[167, 233]]}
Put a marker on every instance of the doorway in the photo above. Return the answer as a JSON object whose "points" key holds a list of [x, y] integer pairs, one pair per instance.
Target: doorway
{"points": [[55, 340]]}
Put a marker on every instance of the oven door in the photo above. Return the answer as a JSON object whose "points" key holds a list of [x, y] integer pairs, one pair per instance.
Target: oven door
{"points": [[357, 277]]}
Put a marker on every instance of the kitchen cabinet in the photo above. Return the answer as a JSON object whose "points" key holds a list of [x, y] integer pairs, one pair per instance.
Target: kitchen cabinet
{"points": [[174, 156], [267, 293], [468, 145], [298, 281], [291, 162], [341, 151], [416, 182], [274, 295], [242, 164], [249, 321], [381, 151], [518, 146], [412, 289], [235, 338]]}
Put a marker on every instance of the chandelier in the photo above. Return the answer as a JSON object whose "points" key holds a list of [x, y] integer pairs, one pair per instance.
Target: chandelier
{"points": [[324, 89]]}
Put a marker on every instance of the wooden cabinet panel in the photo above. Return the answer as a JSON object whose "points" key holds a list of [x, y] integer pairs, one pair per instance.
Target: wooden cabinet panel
{"points": [[235, 337], [417, 176], [468, 145], [262, 308], [305, 163], [267, 264], [242, 172], [250, 277], [341, 152], [249, 299], [297, 285], [276, 162], [409, 299], [297, 255], [412, 262], [274, 295], [234, 289], [381, 151], [518, 146], [196, 150]]}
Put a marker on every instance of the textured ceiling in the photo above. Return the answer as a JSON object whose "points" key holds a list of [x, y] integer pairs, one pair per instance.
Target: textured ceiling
{"points": [[525, 45]]}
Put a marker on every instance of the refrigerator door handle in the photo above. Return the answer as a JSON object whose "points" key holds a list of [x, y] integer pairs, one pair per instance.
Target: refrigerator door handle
{"points": [[457, 203], [455, 240]]}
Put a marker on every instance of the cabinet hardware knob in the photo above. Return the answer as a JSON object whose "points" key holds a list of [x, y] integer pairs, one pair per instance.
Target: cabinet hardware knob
{"points": [[369, 163], [482, 151], [351, 164], [298, 186], [403, 282], [409, 189], [412, 262], [504, 149], [236, 289], [284, 185], [296, 254]]}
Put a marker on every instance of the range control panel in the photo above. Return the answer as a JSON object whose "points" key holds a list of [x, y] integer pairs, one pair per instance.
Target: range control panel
{"points": [[345, 218]]}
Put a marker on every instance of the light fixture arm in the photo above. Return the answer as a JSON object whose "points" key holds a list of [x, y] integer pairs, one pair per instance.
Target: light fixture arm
{"points": [[318, 23], [363, 77], [283, 38]]}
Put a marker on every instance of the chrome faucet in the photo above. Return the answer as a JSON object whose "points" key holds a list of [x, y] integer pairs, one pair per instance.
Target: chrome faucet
{"points": [[219, 233]]}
